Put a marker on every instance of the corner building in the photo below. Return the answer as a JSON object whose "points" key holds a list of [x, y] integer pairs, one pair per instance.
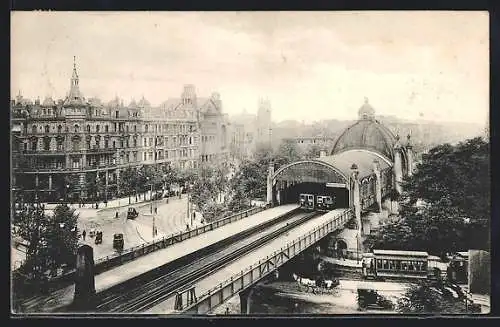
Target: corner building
{"points": [[58, 146]]}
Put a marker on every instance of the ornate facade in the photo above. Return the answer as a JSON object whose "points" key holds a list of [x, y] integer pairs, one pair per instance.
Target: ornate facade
{"points": [[87, 139]]}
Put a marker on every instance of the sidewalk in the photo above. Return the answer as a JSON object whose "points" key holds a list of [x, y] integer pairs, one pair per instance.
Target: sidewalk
{"points": [[112, 204]]}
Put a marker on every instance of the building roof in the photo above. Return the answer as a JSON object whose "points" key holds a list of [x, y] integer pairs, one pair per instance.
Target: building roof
{"points": [[401, 253], [363, 159], [47, 102], [143, 103], [367, 133]]}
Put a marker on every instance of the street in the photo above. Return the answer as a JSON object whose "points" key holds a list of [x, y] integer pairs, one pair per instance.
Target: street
{"points": [[170, 219]]}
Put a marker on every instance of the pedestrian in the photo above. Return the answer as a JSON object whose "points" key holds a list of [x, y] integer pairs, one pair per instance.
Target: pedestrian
{"points": [[97, 205], [227, 310], [156, 231], [116, 214], [84, 233], [156, 210]]}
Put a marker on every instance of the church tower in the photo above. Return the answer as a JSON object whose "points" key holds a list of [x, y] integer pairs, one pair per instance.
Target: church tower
{"points": [[74, 91]]}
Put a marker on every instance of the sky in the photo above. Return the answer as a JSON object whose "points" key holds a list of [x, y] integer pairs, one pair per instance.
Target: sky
{"points": [[309, 65]]}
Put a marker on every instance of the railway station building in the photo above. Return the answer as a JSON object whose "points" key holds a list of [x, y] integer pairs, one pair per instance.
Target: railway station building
{"points": [[363, 172]]}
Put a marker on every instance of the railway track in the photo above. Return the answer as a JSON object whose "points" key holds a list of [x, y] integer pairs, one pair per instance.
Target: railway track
{"points": [[148, 294]]}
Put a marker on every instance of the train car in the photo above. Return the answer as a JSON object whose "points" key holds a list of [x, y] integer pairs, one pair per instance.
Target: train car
{"points": [[382, 264], [306, 201], [324, 203]]}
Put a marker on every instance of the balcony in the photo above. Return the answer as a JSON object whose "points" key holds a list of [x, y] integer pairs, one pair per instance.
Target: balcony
{"points": [[95, 149], [60, 152]]}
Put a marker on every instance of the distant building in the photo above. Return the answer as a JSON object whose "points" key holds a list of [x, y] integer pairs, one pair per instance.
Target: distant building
{"points": [[306, 144], [248, 131], [263, 128], [83, 138]]}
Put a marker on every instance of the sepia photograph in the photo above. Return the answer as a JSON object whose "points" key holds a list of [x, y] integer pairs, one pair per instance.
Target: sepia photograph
{"points": [[239, 163]]}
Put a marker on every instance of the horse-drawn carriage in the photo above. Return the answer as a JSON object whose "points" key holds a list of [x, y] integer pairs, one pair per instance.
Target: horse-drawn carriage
{"points": [[318, 285]]}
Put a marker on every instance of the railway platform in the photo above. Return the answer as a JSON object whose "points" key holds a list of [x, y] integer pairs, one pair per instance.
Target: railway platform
{"points": [[107, 279], [252, 258]]}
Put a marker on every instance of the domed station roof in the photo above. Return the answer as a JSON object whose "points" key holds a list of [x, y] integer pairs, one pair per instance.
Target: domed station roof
{"points": [[368, 134]]}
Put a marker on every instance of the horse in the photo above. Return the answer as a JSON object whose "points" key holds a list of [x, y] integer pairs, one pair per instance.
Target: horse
{"points": [[308, 283]]}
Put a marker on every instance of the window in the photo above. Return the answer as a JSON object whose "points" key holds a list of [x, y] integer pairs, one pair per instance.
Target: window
{"points": [[126, 128], [77, 128], [59, 128], [146, 128], [76, 163], [33, 129], [106, 128], [76, 145], [34, 144], [114, 124], [97, 128], [145, 142], [88, 128], [117, 114], [135, 128], [47, 129], [46, 144], [114, 145], [106, 143], [135, 142]]}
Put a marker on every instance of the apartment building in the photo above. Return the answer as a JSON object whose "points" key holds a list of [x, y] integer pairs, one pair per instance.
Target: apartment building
{"points": [[84, 138]]}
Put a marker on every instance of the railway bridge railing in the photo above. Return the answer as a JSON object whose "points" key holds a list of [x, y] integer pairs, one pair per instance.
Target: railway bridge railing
{"points": [[188, 302], [112, 261]]}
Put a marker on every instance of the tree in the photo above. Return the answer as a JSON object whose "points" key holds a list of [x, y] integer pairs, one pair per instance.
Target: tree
{"points": [[95, 185], [205, 190], [312, 152], [288, 151], [423, 298], [70, 185], [128, 181], [445, 204], [52, 240], [62, 237]]}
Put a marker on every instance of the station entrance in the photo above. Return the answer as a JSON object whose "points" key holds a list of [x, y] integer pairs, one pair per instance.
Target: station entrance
{"points": [[291, 193]]}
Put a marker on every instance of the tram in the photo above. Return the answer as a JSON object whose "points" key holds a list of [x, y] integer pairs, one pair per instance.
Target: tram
{"points": [[306, 202], [382, 264], [324, 203]]}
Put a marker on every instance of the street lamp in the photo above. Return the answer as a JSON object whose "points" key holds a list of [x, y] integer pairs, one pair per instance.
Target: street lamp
{"points": [[151, 199], [357, 247], [67, 191]]}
